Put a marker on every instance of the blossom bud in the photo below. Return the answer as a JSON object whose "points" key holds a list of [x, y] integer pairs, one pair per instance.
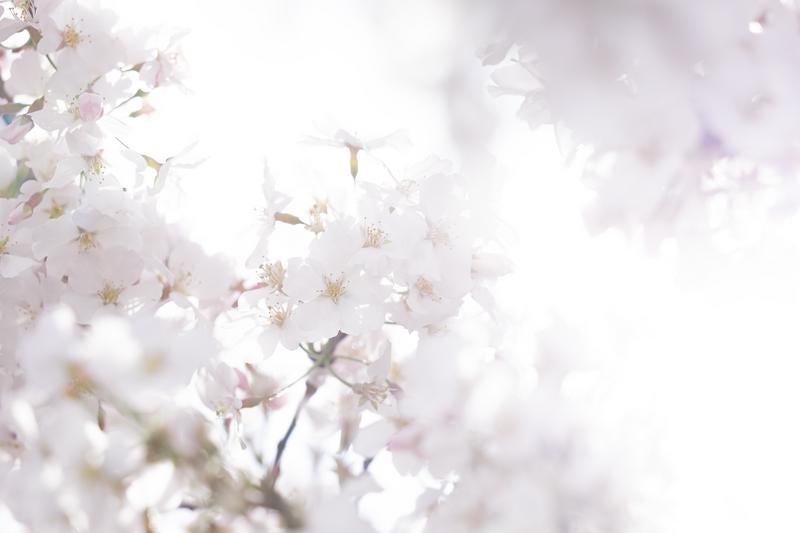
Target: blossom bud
{"points": [[19, 127], [287, 218], [25, 209]]}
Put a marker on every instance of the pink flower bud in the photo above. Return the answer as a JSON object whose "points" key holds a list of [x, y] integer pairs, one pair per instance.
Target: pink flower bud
{"points": [[90, 106], [14, 132], [25, 209], [243, 382]]}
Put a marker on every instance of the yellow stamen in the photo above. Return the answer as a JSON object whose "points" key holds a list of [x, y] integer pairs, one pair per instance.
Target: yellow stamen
{"points": [[109, 294], [272, 274], [86, 241], [353, 160], [95, 163], [153, 362], [70, 37], [278, 314], [182, 282], [55, 210], [374, 237], [335, 287], [425, 289]]}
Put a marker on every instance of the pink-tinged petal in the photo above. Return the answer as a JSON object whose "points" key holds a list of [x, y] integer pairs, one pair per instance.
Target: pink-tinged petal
{"points": [[17, 130], [19, 213], [90, 106], [25, 209]]}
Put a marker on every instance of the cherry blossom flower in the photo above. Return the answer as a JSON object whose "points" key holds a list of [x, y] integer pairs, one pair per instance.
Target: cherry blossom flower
{"points": [[193, 274], [78, 35], [111, 280], [217, 387], [273, 317], [274, 203], [113, 338], [354, 145], [336, 294], [15, 245]]}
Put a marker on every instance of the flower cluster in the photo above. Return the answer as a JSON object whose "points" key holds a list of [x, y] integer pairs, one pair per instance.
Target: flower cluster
{"points": [[106, 309], [135, 369], [148, 386], [679, 130]]}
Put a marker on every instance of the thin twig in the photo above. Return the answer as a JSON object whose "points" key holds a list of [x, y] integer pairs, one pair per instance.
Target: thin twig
{"points": [[272, 478], [309, 352], [340, 378], [325, 357], [139, 94]]}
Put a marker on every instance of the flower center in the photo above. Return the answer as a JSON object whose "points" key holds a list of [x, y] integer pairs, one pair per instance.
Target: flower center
{"points": [[86, 241], [278, 314], [438, 235], [316, 213], [24, 10], [374, 236], [153, 362], [109, 294], [95, 163], [335, 287], [55, 210], [70, 37], [425, 289], [26, 314], [182, 282], [273, 274]]}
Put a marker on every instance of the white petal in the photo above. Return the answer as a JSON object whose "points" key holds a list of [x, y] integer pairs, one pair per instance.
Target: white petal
{"points": [[13, 265]]}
